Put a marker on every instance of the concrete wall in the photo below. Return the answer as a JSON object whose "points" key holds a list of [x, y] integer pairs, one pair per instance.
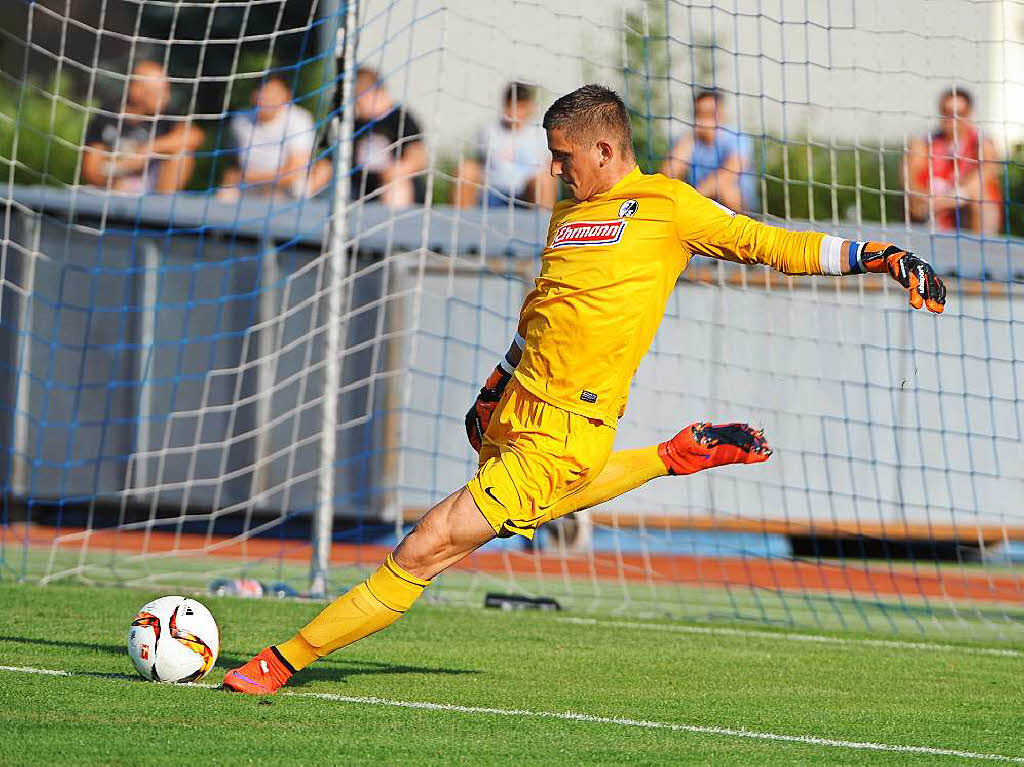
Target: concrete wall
{"points": [[184, 369], [876, 415], [180, 373]]}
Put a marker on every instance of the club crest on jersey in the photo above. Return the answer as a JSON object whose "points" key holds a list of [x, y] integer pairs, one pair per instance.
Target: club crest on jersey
{"points": [[628, 209], [583, 233]]}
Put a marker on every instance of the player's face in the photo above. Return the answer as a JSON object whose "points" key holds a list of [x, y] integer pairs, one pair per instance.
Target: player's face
{"points": [[578, 166]]}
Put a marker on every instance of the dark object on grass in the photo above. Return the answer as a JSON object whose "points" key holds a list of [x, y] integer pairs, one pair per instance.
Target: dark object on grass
{"points": [[519, 602]]}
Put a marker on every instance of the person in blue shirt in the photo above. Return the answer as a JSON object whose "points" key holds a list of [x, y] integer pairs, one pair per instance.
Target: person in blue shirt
{"points": [[717, 161]]}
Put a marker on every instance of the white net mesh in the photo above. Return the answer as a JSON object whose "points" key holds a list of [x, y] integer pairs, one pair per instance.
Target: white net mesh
{"points": [[173, 275]]}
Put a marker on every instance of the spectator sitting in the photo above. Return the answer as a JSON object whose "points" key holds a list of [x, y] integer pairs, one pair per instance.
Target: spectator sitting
{"points": [[953, 174], [274, 143], [388, 150], [513, 162], [144, 149], [715, 160]]}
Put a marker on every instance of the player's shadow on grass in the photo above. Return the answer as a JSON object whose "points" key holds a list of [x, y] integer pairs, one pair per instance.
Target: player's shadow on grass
{"points": [[330, 670], [111, 649], [337, 670]]}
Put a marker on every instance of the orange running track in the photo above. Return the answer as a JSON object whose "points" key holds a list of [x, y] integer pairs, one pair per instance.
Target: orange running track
{"points": [[831, 577]]}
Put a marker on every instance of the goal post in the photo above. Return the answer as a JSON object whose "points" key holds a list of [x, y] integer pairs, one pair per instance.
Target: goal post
{"points": [[341, 40], [257, 258]]}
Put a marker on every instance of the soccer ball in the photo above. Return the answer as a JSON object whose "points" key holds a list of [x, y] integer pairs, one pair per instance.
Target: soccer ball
{"points": [[173, 639]]}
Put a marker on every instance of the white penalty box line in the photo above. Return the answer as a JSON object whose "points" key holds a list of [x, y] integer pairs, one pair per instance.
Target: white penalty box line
{"points": [[573, 716]]}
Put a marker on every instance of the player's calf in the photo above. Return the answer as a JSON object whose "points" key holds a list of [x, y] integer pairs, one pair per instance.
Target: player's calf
{"points": [[703, 446], [446, 534]]}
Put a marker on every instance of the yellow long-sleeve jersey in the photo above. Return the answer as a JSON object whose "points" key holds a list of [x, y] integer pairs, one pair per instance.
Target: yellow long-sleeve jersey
{"points": [[606, 273]]}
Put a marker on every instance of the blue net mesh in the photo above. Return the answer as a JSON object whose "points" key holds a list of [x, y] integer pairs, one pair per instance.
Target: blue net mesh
{"points": [[185, 228]]}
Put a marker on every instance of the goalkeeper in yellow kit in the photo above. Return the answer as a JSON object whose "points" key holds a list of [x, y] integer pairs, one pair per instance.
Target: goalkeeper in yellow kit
{"points": [[545, 422]]}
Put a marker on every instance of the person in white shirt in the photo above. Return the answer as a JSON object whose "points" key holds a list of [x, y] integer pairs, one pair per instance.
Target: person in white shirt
{"points": [[512, 160], [275, 143]]}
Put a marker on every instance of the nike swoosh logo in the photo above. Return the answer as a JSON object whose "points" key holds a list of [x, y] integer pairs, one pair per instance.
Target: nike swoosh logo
{"points": [[250, 681], [493, 496]]}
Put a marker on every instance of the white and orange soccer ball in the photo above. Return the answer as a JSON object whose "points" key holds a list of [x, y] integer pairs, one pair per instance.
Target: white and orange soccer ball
{"points": [[173, 639]]}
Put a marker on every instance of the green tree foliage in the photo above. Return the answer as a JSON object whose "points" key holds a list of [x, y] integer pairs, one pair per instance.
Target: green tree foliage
{"points": [[815, 181], [645, 81], [1013, 191], [41, 132], [807, 180]]}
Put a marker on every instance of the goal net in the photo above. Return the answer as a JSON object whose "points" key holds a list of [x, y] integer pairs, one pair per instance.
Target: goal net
{"points": [[257, 257]]}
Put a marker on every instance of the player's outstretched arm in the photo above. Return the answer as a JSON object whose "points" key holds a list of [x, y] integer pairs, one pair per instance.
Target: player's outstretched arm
{"points": [[710, 229], [479, 415]]}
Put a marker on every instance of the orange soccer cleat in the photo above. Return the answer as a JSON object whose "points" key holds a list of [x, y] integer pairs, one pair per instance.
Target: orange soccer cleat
{"points": [[263, 675], [703, 446]]}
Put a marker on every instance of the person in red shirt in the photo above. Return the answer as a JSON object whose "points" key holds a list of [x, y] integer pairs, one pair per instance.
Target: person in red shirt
{"points": [[952, 176]]}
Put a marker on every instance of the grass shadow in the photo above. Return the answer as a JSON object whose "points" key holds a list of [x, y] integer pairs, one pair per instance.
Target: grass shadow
{"points": [[230, 661], [327, 670], [340, 671]]}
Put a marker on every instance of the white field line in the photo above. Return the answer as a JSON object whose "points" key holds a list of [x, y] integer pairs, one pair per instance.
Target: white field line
{"points": [[30, 670], [1000, 652], [572, 716]]}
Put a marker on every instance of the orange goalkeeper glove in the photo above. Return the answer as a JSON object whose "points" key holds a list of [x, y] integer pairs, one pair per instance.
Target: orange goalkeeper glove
{"points": [[479, 416], [913, 273], [704, 446]]}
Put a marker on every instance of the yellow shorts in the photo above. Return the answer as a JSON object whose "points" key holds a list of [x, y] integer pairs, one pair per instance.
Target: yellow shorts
{"points": [[534, 455]]}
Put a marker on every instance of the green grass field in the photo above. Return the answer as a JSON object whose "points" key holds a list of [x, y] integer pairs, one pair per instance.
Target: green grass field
{"points": [[677, 692], [909, 616]]}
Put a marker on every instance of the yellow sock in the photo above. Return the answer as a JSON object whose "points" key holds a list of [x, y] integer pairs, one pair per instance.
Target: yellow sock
{"points": [[625, 470], [374, 604]]}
